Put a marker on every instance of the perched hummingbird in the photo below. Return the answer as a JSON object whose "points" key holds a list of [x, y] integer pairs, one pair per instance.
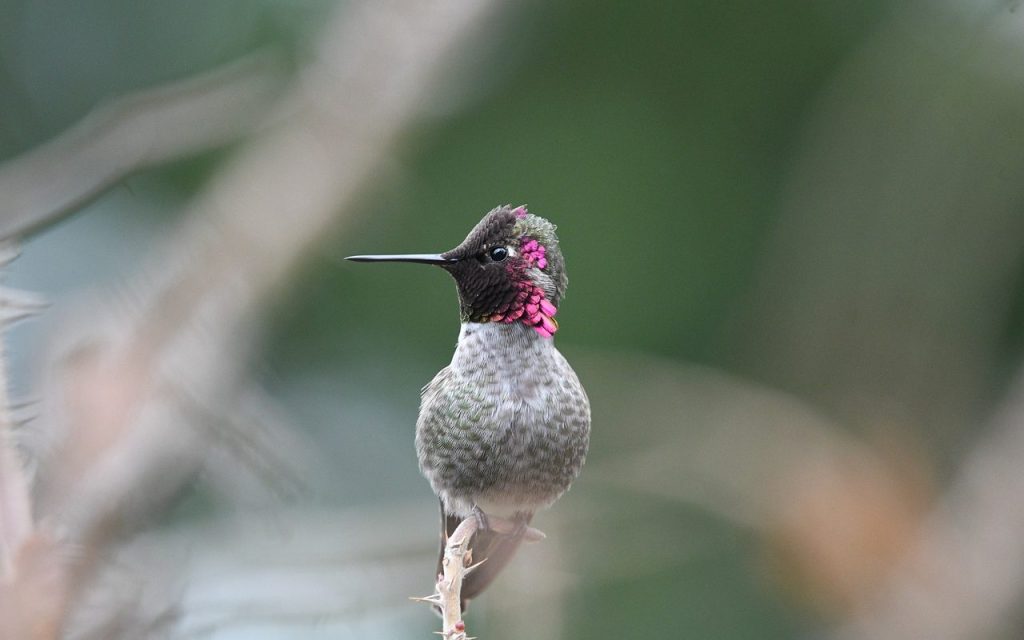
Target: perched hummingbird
{"points": [[503, 430]]}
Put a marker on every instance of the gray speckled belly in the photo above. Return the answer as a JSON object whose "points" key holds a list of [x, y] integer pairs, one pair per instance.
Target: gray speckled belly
{"points": [[505, 426]]}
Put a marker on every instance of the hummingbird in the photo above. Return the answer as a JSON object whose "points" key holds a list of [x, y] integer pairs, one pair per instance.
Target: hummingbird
{"points": [[504, 429]]}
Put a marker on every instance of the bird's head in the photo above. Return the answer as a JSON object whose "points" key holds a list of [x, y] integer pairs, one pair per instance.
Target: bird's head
{"points": [[509, 269]]}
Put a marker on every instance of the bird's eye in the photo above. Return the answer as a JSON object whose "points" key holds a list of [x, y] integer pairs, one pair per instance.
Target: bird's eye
{"points": [[498, 254]]}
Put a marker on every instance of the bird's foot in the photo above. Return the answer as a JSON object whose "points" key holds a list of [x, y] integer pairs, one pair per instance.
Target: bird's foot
{"points": [[522, 521], [482, 523]]}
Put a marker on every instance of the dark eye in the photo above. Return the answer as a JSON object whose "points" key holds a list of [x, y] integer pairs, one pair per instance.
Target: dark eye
{"points": [[498, 254]]}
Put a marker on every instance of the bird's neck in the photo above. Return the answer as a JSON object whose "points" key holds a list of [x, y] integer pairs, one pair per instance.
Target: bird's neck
{"points": [[495, 346]]}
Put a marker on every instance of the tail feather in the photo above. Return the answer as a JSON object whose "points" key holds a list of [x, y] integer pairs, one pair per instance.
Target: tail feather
{"points": [[494, 550]]}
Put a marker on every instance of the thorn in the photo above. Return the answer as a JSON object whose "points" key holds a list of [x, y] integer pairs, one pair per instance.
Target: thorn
{"points": [[24, 403], [8, 253], [482, 522], [21, 418], [471, 568], [432, 599], [17, 305], [23, 412]]}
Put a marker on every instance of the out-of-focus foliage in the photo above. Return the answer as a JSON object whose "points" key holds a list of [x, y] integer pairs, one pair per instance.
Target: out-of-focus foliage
{"points": [[778, 218]]}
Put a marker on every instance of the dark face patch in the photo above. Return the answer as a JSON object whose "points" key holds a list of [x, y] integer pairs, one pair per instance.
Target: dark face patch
{"points": [[486, 286], [509, 269]]}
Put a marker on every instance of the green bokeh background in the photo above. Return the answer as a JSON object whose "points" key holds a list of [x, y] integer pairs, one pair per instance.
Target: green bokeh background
{"points": [[671, 142]]}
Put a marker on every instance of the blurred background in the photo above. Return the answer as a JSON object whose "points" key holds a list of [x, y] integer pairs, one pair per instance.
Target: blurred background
{"points": [[795, 240]]}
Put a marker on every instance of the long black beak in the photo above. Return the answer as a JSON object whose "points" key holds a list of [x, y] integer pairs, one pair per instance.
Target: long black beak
{"points": [[421, 258]]}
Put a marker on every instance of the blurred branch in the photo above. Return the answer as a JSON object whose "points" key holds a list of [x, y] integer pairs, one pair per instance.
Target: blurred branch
{"points": [[128, 134], [138, 381], [832, 512], [741, 442], [851, 526], [964, 578]]}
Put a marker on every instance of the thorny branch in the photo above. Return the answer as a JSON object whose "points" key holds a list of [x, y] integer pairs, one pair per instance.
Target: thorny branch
{"points": [[456, 565]]}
